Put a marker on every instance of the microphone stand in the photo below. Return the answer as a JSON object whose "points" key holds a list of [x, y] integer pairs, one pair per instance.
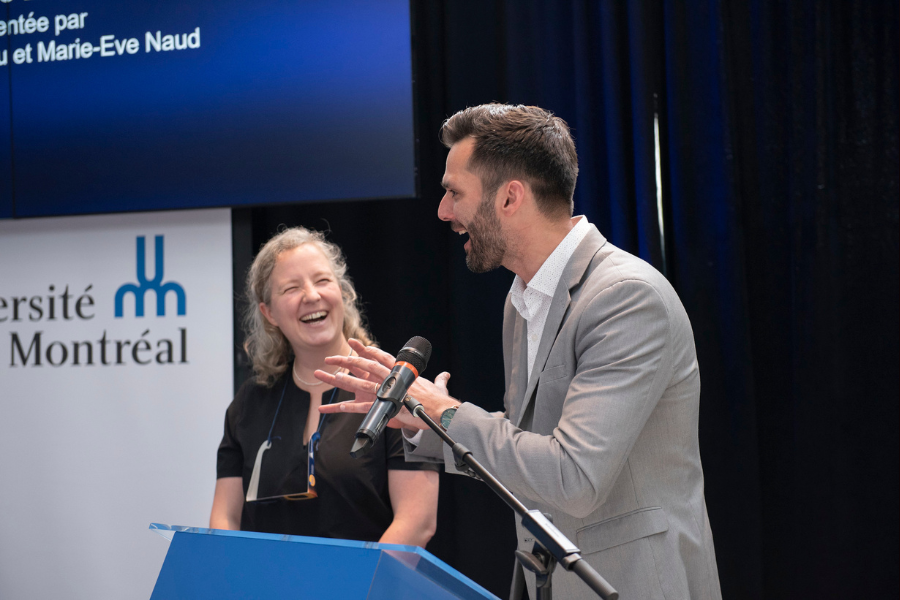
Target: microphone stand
{"points": [[551, 545]]}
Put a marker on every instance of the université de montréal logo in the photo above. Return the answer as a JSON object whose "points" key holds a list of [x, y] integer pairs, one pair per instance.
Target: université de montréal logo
{"points": [[144, 284], [51, 345]]}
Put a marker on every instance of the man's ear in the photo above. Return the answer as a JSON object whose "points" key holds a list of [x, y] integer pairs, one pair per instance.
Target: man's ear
{"points": [[267, 313], [513, 196]]}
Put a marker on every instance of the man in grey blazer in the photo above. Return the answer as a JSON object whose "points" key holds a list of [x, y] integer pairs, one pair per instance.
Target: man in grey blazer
{"points": [[602, 383]]}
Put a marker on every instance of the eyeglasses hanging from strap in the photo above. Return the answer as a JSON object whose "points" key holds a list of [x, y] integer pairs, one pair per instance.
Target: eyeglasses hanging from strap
{"points": [[253, 488]]}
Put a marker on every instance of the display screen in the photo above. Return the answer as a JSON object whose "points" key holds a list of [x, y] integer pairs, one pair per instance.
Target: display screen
{"points": [[121, 106]]}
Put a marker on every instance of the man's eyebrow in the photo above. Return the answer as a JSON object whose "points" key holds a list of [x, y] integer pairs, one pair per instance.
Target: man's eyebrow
{"points": [[445, 184]]}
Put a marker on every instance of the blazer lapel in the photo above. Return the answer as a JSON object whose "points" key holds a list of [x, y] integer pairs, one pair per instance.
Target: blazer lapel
{"points": [[571, 277], [518, 377]]}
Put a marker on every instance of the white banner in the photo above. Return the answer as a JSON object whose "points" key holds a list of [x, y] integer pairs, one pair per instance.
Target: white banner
{"points": [[115, 373]]}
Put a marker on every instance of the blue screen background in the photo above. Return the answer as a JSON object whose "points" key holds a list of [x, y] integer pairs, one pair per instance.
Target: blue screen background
{"points": [[284, 101], [5, 133]]}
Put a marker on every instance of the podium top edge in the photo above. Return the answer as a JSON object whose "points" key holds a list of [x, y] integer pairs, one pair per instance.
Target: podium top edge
{"points": [[168, 531]]}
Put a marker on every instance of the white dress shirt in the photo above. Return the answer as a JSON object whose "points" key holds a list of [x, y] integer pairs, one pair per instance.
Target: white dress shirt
{"points": [[532, 301]]}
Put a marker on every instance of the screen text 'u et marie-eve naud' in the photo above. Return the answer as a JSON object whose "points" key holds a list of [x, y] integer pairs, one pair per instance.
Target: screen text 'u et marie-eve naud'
{"points": [[105, 46]]}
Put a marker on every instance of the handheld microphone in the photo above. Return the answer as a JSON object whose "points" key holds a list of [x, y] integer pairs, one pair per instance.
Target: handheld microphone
{"points": [[411, 361]]}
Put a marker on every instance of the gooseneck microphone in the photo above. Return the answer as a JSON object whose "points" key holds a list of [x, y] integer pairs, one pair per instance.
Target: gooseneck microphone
{"points": [[411, 362]]}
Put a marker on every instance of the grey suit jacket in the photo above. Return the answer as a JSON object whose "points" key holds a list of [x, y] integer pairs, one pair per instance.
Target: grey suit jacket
{"points": [[603, 435]]}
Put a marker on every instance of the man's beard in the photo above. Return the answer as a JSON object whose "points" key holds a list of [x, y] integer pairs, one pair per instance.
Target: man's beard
{"points": [[487, 244]]}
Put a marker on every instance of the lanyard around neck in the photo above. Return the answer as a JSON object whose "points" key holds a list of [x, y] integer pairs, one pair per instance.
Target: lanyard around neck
{"points": [[278, 409]]}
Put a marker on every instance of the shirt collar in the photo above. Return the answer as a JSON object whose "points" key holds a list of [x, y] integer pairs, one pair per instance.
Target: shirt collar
{"points": [[547, 277], [517, 297]]}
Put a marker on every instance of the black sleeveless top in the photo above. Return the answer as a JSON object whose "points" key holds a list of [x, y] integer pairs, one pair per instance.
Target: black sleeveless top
{"points": [[353, 500]]}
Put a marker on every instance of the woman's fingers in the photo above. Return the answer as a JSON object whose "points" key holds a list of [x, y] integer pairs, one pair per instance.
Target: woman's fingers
{"points": [[347, 382], [373, 353], [359, 365], [367, 370], [403, 419], [349, 406], [359, 373]]}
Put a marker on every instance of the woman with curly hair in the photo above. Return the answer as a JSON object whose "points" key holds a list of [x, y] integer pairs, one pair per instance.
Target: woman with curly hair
{"points": [[302, 307]]}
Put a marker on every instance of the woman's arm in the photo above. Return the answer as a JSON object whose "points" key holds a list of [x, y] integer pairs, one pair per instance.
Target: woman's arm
{"points": [[414, 498], [227, 504]]}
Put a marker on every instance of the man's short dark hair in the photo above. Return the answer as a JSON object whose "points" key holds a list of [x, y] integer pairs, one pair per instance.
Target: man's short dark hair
{"points": [[519, 142]]}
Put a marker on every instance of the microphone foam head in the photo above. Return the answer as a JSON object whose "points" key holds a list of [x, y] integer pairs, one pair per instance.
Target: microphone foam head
{"points": [[416, 352]]}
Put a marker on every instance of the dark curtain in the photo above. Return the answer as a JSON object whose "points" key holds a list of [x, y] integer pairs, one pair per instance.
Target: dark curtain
{"points": [[813, 100], [774, 212]]}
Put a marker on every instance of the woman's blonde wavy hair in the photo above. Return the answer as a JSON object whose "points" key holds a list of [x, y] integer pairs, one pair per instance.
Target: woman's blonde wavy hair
{"points": [[268, 349]]}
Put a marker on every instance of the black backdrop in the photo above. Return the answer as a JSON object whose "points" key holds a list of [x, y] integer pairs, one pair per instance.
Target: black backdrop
{"points": [[777, 124]]}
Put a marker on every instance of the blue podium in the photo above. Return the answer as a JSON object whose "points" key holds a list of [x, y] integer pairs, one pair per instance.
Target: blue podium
{"points": [[210, 563]]}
